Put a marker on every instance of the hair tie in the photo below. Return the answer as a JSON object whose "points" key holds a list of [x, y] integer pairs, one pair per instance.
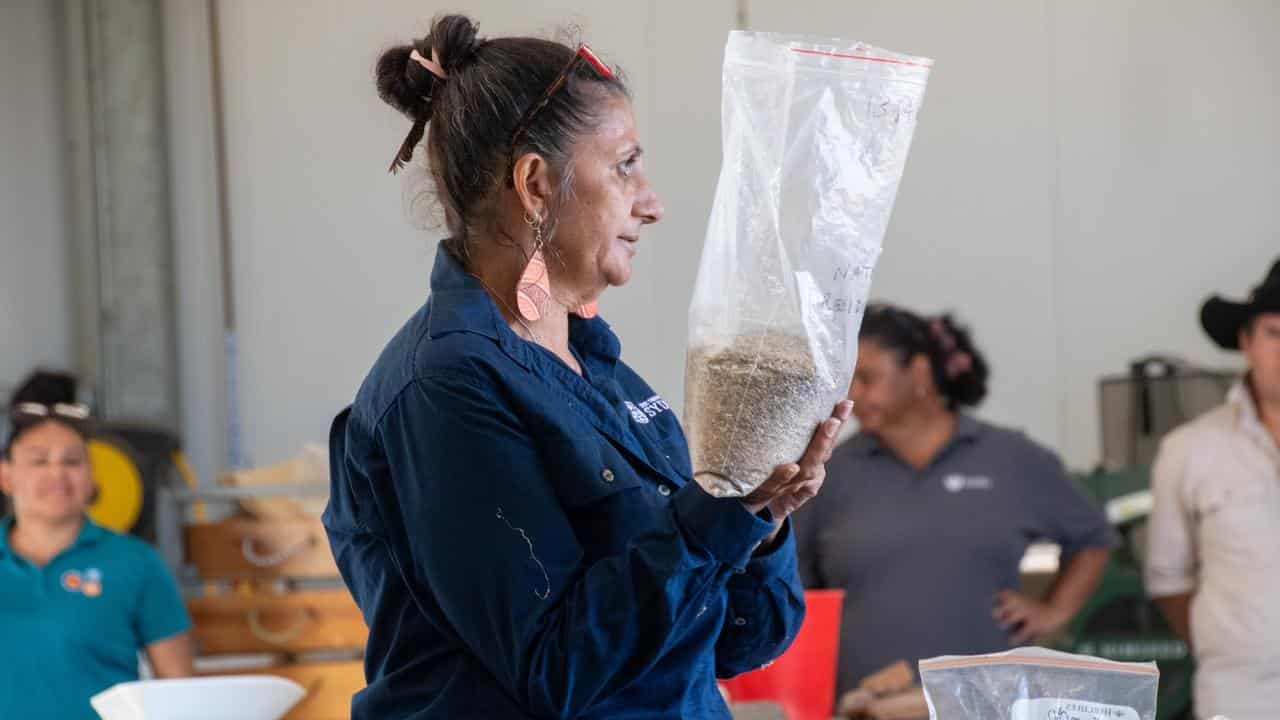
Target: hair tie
{"points": [[958, 361], [432, 66], [405, 154], [942, 335], [959, 364]]}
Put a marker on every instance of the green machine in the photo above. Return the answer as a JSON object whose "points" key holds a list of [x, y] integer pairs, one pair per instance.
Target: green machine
{"points": [[1119, 622]]}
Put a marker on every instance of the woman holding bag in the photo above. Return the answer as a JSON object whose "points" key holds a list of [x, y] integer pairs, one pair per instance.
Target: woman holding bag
{"points": [[512, 506]]}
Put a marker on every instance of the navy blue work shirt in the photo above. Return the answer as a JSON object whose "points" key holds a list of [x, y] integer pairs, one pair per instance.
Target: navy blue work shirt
{"points": [[525, 542], [921, 554]]}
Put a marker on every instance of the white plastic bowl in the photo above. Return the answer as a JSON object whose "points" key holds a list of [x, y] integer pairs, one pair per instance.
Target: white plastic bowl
{"points": [[240, 697]]}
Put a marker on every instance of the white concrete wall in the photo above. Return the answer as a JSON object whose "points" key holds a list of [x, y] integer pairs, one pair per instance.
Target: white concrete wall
{"points": [[35, 298], [327, 264], [1169, 162], [970, 230], [1084, 173]]}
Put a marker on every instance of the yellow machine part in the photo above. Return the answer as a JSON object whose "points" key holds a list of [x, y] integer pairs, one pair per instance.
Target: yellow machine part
{"points": [[118, 504]]}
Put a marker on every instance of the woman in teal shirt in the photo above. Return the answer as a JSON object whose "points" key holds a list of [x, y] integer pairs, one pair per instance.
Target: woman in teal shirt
{"points": [[77, 601]]}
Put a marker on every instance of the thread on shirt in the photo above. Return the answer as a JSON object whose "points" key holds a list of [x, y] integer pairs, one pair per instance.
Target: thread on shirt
{"points": [[545, 593]]}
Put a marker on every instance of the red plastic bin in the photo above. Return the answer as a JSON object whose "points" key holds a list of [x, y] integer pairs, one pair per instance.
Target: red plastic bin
{"points": [[803, 679]]}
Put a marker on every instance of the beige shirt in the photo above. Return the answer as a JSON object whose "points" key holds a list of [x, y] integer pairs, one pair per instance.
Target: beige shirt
{"points": [[1215, 533]]}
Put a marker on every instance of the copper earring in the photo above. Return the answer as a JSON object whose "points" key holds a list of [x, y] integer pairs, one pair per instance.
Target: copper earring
{"points": [[534, 288]]}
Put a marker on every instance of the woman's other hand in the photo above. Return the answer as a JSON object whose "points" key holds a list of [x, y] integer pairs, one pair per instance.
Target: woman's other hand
{"points": [[1024, 618]]}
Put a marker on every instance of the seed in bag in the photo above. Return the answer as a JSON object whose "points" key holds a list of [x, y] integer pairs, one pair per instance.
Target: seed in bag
{"points": [[749, 404], [815, 136]]}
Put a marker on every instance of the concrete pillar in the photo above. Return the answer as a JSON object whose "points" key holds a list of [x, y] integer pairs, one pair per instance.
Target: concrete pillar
{"points": [[119, 204]]}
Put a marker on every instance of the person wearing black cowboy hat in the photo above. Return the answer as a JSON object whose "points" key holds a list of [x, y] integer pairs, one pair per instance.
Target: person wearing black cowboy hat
{"points": [[1213, 558]]}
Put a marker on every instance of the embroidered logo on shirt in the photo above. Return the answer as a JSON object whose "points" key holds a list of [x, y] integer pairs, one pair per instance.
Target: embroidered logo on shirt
{"points": [[87, 583], [647, 410], [956, 483], [71, 581], [636, 413]]}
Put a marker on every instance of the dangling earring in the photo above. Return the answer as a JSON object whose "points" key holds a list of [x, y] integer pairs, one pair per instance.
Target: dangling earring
{"points": [[534, 289]]}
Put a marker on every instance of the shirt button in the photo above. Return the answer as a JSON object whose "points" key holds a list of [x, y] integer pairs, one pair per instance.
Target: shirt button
{"points": [[740, 621], [606, 475], [664, 490]]}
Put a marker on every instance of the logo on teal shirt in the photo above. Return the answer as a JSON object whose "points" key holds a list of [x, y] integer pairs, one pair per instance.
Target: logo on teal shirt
{"points": [[87, 583]]}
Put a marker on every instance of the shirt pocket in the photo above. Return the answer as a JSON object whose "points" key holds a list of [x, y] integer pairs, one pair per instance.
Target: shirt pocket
{"points": [[1238, 516], [604, 499]]}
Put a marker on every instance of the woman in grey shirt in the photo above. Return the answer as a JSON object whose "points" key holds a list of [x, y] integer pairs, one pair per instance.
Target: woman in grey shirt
{"points": [[928, 512]]}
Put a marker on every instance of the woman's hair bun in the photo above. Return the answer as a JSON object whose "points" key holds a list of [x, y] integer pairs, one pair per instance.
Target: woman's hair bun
{"points": [[455, 40], [407, 86]]}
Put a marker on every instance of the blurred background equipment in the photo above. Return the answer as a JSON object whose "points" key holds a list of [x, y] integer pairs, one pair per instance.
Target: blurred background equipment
{"points": [[262, 586], [1157, 395], [1119, 622], [131, 461]]}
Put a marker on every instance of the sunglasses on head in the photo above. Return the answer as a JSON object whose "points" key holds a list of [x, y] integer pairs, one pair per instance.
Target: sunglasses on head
{"points": [[583, 55], [76, 412]]}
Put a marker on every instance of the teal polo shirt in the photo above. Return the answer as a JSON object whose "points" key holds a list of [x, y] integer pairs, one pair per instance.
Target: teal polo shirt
{"points": [[74, 628]]}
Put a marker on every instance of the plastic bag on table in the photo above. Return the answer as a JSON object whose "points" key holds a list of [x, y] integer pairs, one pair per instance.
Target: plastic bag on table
{"points": [[816, 133], [1039, 684]]}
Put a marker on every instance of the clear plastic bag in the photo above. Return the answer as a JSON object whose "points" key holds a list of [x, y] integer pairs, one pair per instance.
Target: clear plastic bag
{"points": [[1038, 684], [816, 133]]}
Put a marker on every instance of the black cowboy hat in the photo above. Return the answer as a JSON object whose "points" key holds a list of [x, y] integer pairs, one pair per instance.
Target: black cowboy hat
{"points": [[1223, 319]]}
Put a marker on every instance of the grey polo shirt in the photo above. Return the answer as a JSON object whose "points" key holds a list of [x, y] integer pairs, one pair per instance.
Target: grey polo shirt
{"points": [[921, 554]]}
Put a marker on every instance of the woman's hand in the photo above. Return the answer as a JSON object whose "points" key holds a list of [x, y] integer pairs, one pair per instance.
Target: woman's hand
{"points": [[1026, 619], [791, 486]]}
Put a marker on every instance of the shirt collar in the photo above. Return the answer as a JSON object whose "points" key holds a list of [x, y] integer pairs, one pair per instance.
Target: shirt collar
{"points": [[1247, 419], [6, 524], [90, 534], [459, 303], [968, 429]]}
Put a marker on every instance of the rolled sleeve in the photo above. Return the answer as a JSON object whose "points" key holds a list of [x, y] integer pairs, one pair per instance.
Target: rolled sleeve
{"points": [[1170, 566], [1063, 513], [766, 609]]}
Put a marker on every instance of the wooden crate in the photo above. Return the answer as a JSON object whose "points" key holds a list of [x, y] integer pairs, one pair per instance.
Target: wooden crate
{"points": [[295, 622], [256, 549]]}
